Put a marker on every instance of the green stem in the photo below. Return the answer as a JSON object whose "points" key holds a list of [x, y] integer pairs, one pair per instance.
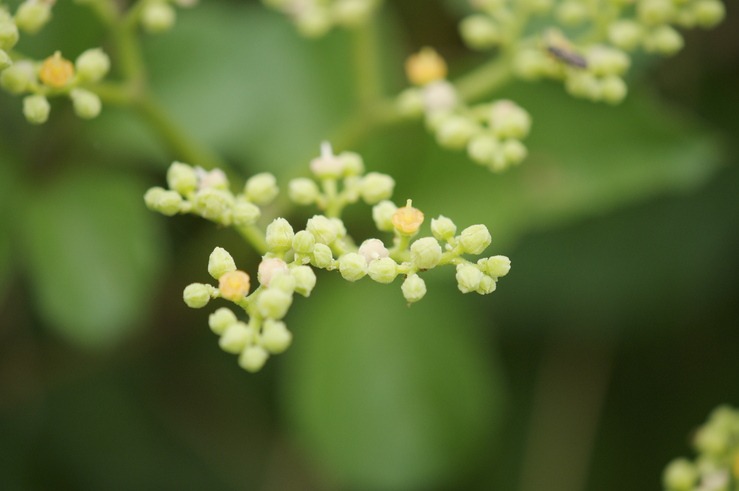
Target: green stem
{"points": [[105, 10], [365, 44], [255, 236], [485, 79]]}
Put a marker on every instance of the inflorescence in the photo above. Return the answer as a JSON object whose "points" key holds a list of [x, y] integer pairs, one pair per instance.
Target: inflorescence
{"points": [[716, 468], [314, 18], [290, 257]]}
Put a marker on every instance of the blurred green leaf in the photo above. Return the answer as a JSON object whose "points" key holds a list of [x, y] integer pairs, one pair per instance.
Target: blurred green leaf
{"points": [[93, 252], [586, 160], [8, 185], [384, 396]]}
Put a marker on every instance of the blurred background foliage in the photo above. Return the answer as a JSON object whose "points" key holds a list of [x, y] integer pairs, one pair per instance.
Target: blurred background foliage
{"points": [[613, 337]]}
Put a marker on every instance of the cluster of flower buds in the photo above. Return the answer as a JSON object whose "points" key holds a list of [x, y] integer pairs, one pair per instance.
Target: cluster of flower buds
{"points": [[492, 133], [593, 62], [287, 266], [716, 468], [158, 16], [54, 76], [314, 18]]}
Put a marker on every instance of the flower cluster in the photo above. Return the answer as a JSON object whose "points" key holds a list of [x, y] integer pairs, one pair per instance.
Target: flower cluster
{"points": [[290, 256], [593, 56], [158, 16], [492, 133], [716, 468], [314, 18], [54, 76]]}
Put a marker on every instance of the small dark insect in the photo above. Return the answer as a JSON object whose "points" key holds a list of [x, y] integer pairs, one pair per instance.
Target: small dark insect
{"points": [[569, 57]]}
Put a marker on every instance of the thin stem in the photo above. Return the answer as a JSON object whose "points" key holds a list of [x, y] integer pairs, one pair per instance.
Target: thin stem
{"points": [[365, 44], [254, 236], [105, 10], [485, 79]]}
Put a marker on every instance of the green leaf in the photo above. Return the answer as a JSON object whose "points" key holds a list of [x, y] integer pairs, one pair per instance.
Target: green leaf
{"points": [[384, 396], [93, 252]]}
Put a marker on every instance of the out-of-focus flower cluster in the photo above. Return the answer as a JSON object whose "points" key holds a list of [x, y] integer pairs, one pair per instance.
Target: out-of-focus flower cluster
{"points": [[314, 18]]}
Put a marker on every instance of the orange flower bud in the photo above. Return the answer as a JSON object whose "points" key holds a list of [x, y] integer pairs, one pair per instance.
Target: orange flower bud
{"points": [[407, 220], [425, 67], [234, 285], [56, 72]]}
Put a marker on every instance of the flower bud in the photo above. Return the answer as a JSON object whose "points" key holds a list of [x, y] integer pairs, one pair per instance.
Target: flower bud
{"points": [[253, 358], [274, 303], [455, 132], [245, 213], [664, 40], [32, 15], [583, 84], [413, 288], [382, 215], [234, 285], [279, 235], [284, 282], [443, 228], [215, 179], [375, 187], [487, 285], [305, 279], [163, 201], [313, 22], [220, 262], [352, 13], [92, 65], [8, 33], [708, 13], [508, 120], [373, 249], [531, 64], [410, 102], [482, 148], [475, 239], [221, 319], [327, 165], [468, 278], [680, 475], [275, 336], [182, 178], [655, 12], [158, 17], [613, 89], [352, 266], [36, 109], [495, 266], [480, 32], [5, 60], [322, 256], [303, 242], [322, 228], [261, 188], [196, 295], [513, 151], [604, 61], [407, 220], [269, 268], [352, 163], [625, 34], [383, 270], [572, 12], [56, 72], [303, 191], [425, 253], [213, 204], [17, 78], [236, 337], [439, 96], [425, 67], [86, 104]]}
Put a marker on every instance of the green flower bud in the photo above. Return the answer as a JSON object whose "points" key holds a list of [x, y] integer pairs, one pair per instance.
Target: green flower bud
{"points": [[303, 191], [196, 295], [352, 163], [220, 262], [245, 213], [487, 285], [36, 109], [305, 279], [86, 104], [538, 6], [236, 337], [583, 84], [5, 60], [163, 201], [284, 282], [313, 23], [279, 235], [221, 319], [270, 268], [664, 40], [383, 270], [214, 204], [613, 89], [625, 34], [495, 266], [253, 358], [327, 165], [480, 32], [322, 256], [375, 187], [531, 64], [261, 188], [372, 249], [352, 13], [382, 215], [92, 65], [443, 228], [425, 253], [708, 13], [680, 475], [572, 13], [712, 441], [303, 242], [32, 15], [655, 12], [468, 278], [514, 152], [8, 34], [322, 228], [508, 120], [455, 132], [275, 336], [413, 288], [604, 61], [410, 102], [158, 17], [215, 179], [352, 266], [482, 148], [475, 239], [273, 303], [182, 178], [17, 78]]}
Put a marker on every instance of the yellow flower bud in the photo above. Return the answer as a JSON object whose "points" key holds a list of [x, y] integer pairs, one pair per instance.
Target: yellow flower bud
{"points": [[56, 72], [425, 67], [234, 285], [407, 220]]}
